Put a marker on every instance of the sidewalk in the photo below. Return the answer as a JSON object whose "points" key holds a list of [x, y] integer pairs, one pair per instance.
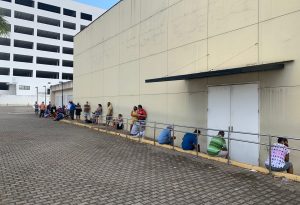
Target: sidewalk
{"points": [[47, 162], [102, 127]]}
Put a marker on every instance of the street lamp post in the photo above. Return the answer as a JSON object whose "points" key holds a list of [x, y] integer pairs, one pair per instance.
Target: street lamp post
{"points": [[45, 93], [62, 93], [37, 95]]}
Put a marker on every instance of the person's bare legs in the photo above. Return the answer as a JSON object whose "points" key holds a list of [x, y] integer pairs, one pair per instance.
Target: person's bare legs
{"points": [[198, 147], [290, 170]]}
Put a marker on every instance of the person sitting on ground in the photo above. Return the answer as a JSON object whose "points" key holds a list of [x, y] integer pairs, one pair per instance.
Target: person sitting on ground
{"points": [[36, 108], [118, 123], [42, 109], [165, 136], [59, 114], [190, 141], [97, 114], [109, 113], [86, 111], [217, 146], [47, 113], [134, 117], [280, 157], [78, 111]]}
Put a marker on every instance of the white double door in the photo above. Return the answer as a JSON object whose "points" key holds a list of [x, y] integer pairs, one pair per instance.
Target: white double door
{"points": [[236, 106]]}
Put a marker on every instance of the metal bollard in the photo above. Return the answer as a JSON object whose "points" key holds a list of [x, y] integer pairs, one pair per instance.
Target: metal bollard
{"points": [[106, 125], [127, 128], [197, 139], [140, 125], [154, 133], [228, 149], [270, 154], [173, 130]]}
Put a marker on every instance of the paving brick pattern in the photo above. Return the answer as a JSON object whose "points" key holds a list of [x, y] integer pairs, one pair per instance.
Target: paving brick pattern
{"points": [[46, 162]]}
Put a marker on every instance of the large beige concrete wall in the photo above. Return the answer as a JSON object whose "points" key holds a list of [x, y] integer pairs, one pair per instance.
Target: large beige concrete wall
{"points": [[142, 39]]}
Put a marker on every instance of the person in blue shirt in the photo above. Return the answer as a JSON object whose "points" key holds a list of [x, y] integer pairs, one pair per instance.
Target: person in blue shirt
{"points": [[165, 136], [190, 141], [72, 109]]}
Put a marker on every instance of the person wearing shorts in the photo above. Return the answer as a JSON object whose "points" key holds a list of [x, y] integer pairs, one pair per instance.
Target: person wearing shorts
{"points": [[87, 111], [280, 157], [217, 146]]}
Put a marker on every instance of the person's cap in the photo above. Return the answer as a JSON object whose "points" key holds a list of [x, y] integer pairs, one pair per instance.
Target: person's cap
{"points": [[170, 127]]}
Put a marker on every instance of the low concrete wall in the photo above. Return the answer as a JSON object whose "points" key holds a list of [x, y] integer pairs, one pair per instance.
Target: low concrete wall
{"points": [[21, 100]]}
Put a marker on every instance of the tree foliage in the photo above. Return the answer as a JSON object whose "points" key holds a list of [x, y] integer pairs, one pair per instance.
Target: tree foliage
{"points": [[4, 27]]}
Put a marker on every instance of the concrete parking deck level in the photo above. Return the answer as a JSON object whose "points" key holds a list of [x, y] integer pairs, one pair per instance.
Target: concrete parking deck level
{"points": [[46, 162]]}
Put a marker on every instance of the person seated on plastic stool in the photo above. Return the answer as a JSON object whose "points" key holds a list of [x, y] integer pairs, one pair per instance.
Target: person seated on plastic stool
{"points": [[165, 136], [280, 157], [190, 141]]}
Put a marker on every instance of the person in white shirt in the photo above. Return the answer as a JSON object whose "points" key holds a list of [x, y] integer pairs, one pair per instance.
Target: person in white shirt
{"points": [[280, 157]]}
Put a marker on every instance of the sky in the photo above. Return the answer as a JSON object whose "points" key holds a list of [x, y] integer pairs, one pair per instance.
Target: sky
{"points": [[104, 4]]}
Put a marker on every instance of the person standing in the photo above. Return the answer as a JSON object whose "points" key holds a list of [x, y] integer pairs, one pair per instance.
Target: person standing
{"points": [[42, 109], [78, 111], [49, 106], [98, 113], [142, 116], [109, 113], [87, 110], [67, 110], [72, 110], [48, 109], [141, 112], [36, 108], [53, 110]]}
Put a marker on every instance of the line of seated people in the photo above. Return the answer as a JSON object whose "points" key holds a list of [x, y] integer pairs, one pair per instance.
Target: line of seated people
{"points": [[189, 140], [217, 147]]}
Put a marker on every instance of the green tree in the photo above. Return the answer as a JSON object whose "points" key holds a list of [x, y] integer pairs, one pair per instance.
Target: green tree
{"points": [[4, 27]]}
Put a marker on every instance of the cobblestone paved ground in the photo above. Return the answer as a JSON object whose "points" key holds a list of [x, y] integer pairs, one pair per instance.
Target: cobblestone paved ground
{"points": [[46, 162]]}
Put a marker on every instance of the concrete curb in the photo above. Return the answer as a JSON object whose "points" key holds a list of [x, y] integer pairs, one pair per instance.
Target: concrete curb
{"points": [[262, 170]]}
